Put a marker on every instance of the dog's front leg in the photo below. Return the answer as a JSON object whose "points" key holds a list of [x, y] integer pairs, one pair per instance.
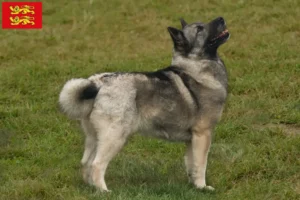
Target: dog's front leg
{"points": [[200, 147], [188, 160]]}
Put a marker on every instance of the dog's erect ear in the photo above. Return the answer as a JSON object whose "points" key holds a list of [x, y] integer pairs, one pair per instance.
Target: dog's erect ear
{"points": [[176, 35], [183, 23], [181, 44]]}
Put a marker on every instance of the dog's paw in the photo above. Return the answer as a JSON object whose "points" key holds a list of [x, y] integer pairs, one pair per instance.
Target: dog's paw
{"points": [[102, 192], [202, 185], [209, 188], [105, 191], [206, 187]]}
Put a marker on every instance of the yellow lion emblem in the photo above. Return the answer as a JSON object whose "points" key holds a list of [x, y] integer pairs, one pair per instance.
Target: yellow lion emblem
{"points": [[24, 20], [15, 10]]}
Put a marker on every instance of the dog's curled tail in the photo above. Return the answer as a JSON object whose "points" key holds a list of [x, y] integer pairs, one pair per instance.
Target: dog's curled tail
{"points": [[77, 97]]}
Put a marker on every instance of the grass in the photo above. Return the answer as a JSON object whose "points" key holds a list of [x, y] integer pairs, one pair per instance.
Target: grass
{"points": [[256, 148]]}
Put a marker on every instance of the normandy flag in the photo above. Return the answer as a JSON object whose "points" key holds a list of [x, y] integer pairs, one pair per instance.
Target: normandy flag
{"points": [[21, 15]]}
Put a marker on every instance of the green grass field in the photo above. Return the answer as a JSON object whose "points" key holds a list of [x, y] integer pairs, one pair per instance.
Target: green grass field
{"points": [[256, 147]]}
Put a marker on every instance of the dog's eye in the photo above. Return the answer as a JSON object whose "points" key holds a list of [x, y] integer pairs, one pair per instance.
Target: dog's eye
{"points": [[200, 28]]}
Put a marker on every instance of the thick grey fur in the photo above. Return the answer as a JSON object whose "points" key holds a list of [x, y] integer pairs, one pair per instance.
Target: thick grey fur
{"points": [[177, 103]]}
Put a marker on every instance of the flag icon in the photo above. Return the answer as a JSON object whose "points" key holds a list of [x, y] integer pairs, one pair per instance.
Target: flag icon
{"points": [[21, 15]]}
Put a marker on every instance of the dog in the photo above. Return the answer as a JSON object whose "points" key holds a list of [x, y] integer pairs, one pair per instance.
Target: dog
{"points": [[182, 103]]}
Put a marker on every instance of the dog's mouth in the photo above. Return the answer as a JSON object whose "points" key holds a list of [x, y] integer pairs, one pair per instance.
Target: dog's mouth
{"points": [[222, 37]]}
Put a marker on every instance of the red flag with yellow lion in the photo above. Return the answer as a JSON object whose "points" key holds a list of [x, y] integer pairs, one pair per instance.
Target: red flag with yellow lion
{"points": [[21, 15]]}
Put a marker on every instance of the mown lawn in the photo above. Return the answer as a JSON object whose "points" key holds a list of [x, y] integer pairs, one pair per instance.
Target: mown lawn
{"points": [[256, 149]]}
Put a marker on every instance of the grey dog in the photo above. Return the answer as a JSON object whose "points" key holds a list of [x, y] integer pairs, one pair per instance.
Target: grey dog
{"points": [[182, 102]]}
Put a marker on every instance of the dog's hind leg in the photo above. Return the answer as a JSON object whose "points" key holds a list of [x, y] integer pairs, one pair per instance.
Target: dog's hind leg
{"points": [[89, 149], [111, 138]]}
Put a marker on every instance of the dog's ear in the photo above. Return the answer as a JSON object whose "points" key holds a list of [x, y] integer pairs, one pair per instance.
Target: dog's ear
{"points": [[176, 35], [183, 23], [181, 44]]}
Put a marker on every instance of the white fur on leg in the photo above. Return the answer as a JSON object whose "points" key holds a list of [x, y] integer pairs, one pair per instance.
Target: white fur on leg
{"points": [[200, 146], [90, 140], [87, 169], [89, 149], [111, 138]]}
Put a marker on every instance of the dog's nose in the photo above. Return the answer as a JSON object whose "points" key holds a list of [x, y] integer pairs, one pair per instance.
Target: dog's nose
{"points": [[221, 19]]}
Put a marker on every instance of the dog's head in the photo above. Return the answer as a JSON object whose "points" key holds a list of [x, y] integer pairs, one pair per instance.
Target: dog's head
{"points": [[199, 39]]}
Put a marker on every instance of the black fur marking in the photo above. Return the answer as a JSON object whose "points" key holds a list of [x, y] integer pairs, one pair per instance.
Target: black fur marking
{"points": [[181, 44], [89, 92], [160, 74], [114, 74], [187, 81]]}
